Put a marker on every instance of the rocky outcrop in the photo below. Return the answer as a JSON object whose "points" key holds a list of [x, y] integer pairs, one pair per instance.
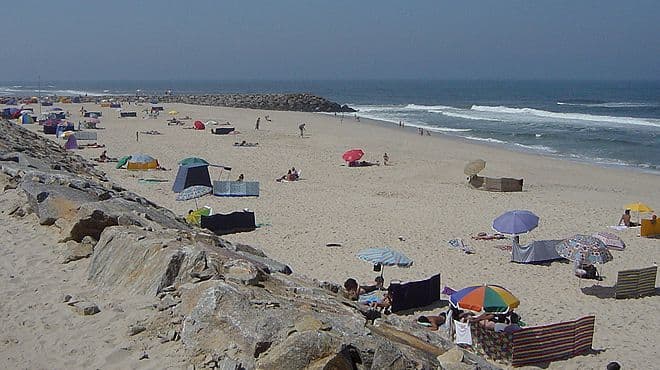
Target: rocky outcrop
{"points": [[300, 102], [227, 305]]}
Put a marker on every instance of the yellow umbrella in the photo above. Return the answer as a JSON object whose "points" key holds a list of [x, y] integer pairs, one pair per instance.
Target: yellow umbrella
{"points": [[638, 207], [172, 112]]}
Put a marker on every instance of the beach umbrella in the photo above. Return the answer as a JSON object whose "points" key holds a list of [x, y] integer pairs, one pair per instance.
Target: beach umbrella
{"points": [[474, 167], [199, 125], [122, 161], [484, 298], [516, 222], [194, 192], [384, 257], [192, 160], [57, 109], [352, 155], [610, 240], [172, 113], [638, 207], [584, 249]]}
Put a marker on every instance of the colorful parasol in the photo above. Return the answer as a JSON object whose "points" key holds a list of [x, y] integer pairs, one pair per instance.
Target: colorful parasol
{"points": [[484, 298], [584, 249]]}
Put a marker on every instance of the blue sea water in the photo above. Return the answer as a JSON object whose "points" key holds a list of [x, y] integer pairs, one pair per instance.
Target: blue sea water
{"points": [[611, 123]]}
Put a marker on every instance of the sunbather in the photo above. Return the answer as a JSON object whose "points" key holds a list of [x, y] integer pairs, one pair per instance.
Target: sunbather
{"points": [[354, 290], [487, 236], [625, 219], [362, 164], [433, 322]]}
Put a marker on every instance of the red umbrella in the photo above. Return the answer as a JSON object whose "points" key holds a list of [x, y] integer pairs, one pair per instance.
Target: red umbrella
{"points": [[199, 125], [353, 155]]}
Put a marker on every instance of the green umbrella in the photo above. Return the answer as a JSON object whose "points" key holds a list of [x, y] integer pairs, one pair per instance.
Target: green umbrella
{"points": [[122, 161], [192, 160]]}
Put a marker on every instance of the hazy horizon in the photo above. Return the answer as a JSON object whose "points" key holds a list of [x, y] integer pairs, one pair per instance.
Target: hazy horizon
{"points": [[310, 41]]}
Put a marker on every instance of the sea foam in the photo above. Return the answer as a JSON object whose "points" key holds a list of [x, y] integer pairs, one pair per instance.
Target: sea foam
{"points": [[650, 122]]}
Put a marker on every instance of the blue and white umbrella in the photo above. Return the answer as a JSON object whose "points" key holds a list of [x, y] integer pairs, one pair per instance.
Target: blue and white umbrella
{"points": [[193, 192], [385, 257]]}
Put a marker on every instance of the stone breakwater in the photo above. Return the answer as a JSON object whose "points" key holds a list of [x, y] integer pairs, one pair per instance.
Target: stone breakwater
{"points": [[301, 102], [221, 305]]}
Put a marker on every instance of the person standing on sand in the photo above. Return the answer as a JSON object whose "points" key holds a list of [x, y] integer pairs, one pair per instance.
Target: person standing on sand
{"points": [[386, 159], [302, 129], [256, 126]]}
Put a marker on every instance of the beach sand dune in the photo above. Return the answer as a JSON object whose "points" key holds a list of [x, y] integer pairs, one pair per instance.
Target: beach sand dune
{"points": [[423, 197]]}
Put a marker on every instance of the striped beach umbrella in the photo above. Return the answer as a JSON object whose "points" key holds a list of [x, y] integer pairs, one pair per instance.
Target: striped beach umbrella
{"points": [[484, 298], [385, 257]]}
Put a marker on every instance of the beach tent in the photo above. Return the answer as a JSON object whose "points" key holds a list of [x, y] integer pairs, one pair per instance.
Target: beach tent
{"points": [[71, 143], [46, 103], [75, 99], [115, 105], [190, 175], [538, 251], [141, 162], [11, 101], [26, 119]]}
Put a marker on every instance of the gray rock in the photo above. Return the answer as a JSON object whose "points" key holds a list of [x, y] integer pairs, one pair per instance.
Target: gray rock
{"points": [[86, 308], [167, 302], [299, 350], [51, 202], [74, 251], [135, 329], [241, 272]]}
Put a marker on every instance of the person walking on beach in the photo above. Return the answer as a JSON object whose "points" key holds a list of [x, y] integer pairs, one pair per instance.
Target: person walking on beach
{"points": [[256, 126], [302, 129], [386, 159]]}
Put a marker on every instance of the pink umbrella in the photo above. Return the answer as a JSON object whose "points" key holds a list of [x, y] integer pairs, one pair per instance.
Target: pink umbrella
{"points": [[353, 155], [611, 241]]}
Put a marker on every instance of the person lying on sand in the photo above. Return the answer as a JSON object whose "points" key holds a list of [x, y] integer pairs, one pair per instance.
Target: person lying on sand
{"points": [[151, 132], [362, 164], [93, 145], [432, 322], [487, 236], [291, 175], [245, 143]]}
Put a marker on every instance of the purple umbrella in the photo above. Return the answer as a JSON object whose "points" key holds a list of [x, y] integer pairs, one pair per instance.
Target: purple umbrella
{"points": [[516, 222]]}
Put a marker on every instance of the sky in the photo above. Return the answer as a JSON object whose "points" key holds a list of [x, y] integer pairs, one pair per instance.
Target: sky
{"points": [[331, 39]]}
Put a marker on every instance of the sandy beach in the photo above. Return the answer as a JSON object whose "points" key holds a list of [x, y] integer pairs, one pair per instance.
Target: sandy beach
{"points": [[415, 205]]}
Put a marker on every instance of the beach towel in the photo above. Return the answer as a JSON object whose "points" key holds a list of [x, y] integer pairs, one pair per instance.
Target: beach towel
{"points": [[463, 334], [368, 298], [459, 244], [618, 227]]}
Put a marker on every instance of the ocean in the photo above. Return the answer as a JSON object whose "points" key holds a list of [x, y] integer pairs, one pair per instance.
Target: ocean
{"points": [[609, 123]]}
